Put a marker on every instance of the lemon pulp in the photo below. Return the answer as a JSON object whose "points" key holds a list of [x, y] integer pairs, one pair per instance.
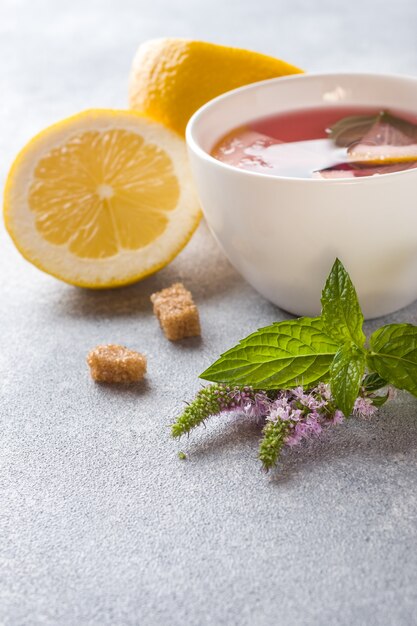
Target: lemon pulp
{"points": [[102, 192]]}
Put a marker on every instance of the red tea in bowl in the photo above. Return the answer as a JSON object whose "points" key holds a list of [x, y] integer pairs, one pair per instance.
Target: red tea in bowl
{"points": [[325, 142]]}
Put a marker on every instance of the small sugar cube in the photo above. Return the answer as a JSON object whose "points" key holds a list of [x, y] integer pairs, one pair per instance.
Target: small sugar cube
{"points": [[176, 312], [116, 364]]}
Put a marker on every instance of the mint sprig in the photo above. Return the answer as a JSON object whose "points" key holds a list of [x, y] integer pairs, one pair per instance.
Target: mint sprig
{"points": [[331, 347]]}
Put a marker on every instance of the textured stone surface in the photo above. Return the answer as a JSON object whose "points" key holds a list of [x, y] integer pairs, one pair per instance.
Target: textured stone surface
{"points": [[100, 522]]}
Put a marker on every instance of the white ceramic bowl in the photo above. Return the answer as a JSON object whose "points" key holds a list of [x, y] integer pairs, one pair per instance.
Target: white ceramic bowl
{"points": [[283, 234]]}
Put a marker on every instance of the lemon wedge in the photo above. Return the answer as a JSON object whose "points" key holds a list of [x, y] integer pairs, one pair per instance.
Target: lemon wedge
{"points": [[101, 199]]}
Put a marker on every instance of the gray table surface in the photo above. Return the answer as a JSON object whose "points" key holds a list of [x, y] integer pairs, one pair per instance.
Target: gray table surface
{"points": [[100, 522]]}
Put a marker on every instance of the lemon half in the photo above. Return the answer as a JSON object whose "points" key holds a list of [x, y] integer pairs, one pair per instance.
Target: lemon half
{"points": [[101, 199]]}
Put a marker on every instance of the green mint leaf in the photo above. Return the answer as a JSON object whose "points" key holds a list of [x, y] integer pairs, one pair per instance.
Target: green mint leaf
{"points": [[373, 382], [404, 126], [346, 375], [393, 354], [351, 129], [341, 313], [284, 355], [379, 401]]}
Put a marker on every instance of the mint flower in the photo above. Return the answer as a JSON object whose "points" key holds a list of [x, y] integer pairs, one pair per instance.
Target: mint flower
{"points": [[273, 440], [216, 399], [364, 407], [289, 416], [306, 413], [338, 417]]}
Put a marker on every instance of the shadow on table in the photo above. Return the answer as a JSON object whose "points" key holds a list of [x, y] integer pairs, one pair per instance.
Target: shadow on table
{"points": [[391, 435], [135, 299], [235, 431], [201, 266], [123, 391]]}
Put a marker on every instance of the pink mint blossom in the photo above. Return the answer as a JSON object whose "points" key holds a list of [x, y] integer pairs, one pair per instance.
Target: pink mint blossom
{"points": [[363, 407], [338, 417], [298, 393], [306, 413], [280, 409], [251, 403], [324, 390], [309, 413]]}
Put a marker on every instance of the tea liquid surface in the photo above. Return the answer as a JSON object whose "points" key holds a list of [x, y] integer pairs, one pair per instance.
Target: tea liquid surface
{"points": [[302, 144]]}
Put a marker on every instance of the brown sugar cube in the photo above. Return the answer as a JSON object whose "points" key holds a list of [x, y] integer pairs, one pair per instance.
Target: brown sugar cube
{"points": [[116, 364], [176, 311]]}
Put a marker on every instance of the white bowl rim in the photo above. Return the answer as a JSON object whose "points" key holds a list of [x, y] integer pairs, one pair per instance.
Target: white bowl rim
{"points": [[196, 148]]}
